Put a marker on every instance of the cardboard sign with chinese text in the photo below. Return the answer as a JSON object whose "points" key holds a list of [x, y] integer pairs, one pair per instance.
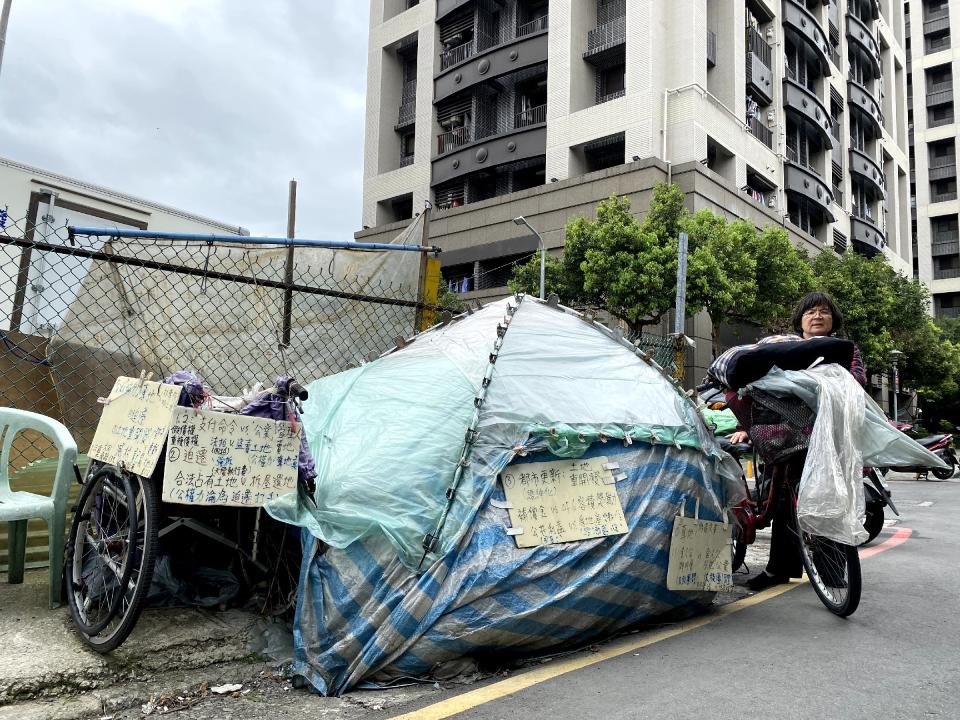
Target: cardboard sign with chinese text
{"points": [[700, 555], [216, 458], [555, 502], [134, 423]]}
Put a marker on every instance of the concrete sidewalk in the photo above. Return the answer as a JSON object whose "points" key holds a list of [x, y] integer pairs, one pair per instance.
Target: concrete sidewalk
{"points": [[43, 657]]}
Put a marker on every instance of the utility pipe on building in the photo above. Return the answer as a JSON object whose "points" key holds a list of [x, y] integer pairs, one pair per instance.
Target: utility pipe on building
{"points": [[4, 21]]}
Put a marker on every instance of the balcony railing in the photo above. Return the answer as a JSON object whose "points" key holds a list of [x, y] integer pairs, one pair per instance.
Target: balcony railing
{"points": [[947, 247], [936, 21], [933, 122], [950, 312], [458, 54], [760, 131], [607, 36], [940, 93], [946, 274], [758, 46], [943, 197], [943, 170], [453, 139], [406, 159], [533, 116], [534, 26], [610, 96]]}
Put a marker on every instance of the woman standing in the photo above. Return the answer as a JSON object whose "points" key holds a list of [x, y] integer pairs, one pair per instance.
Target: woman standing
{"points": [[815, 316]]}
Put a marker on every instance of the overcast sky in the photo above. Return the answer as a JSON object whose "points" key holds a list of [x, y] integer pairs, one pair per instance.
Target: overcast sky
{"points": [[210, 106]]}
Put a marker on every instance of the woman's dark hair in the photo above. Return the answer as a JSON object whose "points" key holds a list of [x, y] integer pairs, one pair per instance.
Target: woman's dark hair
{"points": [[812, 300]]}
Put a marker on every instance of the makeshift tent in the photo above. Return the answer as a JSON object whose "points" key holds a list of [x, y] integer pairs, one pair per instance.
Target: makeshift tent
{"points": [[409, 449]]}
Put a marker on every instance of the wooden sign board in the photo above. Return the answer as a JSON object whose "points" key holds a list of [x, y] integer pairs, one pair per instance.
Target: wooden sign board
{"points": [[134, 424], [216, 458], [563, 501]]}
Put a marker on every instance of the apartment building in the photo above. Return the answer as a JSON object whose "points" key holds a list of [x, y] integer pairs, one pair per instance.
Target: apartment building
{"points": [[933, 57], [785, 111]]}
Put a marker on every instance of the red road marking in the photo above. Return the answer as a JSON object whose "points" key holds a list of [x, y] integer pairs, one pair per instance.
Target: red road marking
{"points": [[898, 538]]}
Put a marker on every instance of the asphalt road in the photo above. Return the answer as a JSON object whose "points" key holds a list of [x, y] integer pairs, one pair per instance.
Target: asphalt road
{"points": [[778, 654], [787, 657]]}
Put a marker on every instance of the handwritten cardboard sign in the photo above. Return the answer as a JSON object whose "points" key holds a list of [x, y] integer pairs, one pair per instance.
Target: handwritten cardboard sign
{"points": [[217, 458], [134, 424], [700, 555], [555, 502]]}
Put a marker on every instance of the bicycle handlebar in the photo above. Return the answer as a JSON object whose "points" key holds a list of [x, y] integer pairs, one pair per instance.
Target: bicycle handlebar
{"points": [[296, 390]]}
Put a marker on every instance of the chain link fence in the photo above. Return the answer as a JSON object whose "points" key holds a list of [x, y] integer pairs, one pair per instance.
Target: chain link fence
{"points": [[76, 312]]}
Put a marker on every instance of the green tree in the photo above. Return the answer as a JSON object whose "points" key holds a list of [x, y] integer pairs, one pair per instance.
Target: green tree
{"points": [[526, 277], [783, 276], [721, 270], [862, 288], [629, 268], [616, 262]]}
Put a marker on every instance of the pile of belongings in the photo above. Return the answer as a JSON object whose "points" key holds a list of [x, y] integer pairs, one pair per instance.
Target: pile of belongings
{"points": [[504, 485]]}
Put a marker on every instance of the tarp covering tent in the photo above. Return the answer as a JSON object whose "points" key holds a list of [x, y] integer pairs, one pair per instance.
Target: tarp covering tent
{"points": [[411, 446]]}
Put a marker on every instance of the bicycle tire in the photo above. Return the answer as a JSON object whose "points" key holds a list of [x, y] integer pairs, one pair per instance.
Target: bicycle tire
{"points": [[832, 568], [145, 546], [96, 493]]}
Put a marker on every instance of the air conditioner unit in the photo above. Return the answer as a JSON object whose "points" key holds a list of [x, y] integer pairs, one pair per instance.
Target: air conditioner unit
{"points": [[772, 202]]}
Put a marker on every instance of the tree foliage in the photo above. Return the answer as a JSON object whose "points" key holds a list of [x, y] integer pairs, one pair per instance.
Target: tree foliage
{"points": [[736, 272]]}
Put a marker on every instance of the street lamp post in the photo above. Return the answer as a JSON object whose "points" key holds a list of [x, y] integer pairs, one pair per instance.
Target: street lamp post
{"points": [[894, 359], [543, 253]]}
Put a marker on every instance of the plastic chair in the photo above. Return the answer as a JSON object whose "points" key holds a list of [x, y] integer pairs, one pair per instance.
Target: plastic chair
{"points": [[16, 508]]}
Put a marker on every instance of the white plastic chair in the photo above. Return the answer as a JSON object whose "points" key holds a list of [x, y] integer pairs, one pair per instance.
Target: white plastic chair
{"points": [[16, 508]]}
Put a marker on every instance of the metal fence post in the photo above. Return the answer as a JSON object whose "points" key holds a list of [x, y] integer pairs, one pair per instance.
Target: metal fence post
{"points": [[288, 277]]}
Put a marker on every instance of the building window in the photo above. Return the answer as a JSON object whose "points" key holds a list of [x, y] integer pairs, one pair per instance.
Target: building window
{"points": [[611, 83]]}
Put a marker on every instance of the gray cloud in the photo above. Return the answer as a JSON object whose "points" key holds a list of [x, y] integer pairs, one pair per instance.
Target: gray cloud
{"points": [[207, 105]]}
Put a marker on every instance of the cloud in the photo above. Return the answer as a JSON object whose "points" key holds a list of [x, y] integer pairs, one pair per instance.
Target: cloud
{"points": [[210, 106]]}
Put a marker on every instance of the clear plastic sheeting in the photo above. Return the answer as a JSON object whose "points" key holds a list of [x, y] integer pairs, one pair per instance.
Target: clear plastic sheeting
{"points": [[547, 354], [387, 437], [881, 444], [830, 501]]}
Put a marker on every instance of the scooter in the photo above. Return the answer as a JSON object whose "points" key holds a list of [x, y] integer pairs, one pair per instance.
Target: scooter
{"points": [[940, 445]]}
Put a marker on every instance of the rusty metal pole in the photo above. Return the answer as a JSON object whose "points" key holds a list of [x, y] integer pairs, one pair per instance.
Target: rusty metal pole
{"points": [[422, 277], [288, 278]]}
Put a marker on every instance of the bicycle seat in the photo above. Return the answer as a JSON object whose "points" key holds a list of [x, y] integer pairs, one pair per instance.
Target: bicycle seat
{"points": [[735, 449]]}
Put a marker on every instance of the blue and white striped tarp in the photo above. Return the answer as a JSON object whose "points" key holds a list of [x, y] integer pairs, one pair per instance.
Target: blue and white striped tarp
{"points": [[363, 615]]}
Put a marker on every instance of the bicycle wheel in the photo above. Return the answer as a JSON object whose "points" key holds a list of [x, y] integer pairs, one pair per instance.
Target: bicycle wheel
{"points": [[832, 568], [270, 556], [110, 555]]}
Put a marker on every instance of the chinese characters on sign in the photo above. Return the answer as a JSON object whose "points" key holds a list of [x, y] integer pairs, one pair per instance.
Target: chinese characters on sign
{"points": [[134, 424], [216, 458], [557, 502], [700, 556]]}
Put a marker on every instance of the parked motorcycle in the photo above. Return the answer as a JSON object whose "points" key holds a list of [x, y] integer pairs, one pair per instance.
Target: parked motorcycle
{"points": [[940, 445]]}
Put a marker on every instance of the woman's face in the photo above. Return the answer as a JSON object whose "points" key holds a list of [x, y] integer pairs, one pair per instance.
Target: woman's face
{"points": [[817, 322]]}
